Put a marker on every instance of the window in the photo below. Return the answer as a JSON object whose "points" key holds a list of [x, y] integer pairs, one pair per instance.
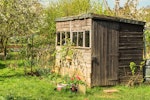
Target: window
{"points": [[80, 39], [87, 39], [68, 35], [63, 38], [74, 40], [58, 38]]}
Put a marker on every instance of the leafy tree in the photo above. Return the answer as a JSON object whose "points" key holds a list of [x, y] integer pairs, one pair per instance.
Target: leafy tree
{"points": [[17, 18], [20, 20]]}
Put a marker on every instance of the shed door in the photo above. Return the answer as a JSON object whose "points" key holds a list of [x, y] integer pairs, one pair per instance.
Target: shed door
{"points": [[105, 41]]}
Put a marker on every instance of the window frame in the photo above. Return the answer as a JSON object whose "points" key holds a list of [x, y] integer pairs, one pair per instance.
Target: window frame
{"points": [[71, 38], [58, 44], [82, 39], [89, 38]]}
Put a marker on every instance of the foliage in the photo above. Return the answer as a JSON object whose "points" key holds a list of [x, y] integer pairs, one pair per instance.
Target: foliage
{"points": [[73, 80], [24, 23], [142, 63], [67, 50], [76, 80], [130, 10], [133, 67], [147, 38], [18, 18], [135, 73], [147, 42], [43, 71]]}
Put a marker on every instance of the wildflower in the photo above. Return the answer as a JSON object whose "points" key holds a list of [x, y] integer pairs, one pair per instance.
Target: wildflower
{"points": [[72, 78], [78, 77]]}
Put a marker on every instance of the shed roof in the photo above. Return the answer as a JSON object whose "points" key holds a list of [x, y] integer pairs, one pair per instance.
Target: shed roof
{"points": [[100, 17]]}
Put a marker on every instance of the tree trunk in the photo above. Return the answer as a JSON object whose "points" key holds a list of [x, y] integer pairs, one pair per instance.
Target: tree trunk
{"points": [[5, 53]]}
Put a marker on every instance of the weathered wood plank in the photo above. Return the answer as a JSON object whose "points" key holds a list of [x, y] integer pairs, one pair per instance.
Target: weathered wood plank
{"points": [[131, 36], [136, 47], [131, 33], [105, 44], [130, 49]]}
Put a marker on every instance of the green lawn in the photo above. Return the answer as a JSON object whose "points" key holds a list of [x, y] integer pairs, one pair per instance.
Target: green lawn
{"points": [[14, 85]]}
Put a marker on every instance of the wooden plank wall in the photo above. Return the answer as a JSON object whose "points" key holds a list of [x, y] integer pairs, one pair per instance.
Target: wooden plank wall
{"points": [[74, 25], [104, 53], [130, 50]]}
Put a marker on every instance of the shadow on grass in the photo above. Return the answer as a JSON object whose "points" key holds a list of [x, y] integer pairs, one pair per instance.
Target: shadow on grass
{"points": [[11, 76], [14, 75], [2, 66]]}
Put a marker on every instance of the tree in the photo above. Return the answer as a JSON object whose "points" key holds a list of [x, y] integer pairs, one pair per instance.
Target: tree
{"points": [[17, 18]]}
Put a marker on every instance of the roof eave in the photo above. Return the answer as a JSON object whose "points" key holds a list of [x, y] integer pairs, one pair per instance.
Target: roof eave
{"points": [[100, 17]]}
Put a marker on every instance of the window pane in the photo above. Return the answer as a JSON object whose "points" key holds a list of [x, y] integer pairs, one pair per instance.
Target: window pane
{"points": [[80, 39], [74, 38], [87, 39], [63, 38], [68, 35], [58, 38]]}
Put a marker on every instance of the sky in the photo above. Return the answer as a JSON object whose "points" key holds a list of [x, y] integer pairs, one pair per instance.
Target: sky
{"points": [[142, 3]]}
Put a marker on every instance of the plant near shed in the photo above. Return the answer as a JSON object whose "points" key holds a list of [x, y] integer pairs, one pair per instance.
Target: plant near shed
{"points": [[74, 82], [142, 63], [133, 67], [134, 78], [66, 52]]}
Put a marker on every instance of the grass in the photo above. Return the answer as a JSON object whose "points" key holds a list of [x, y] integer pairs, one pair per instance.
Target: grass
{"points": [[14, 85]]}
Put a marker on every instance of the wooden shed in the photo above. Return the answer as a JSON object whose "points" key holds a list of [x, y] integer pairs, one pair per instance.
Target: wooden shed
{"points": [[105, 47]]}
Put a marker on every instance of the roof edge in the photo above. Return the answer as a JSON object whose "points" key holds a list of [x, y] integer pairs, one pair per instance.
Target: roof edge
{"points": [[100, 17]]}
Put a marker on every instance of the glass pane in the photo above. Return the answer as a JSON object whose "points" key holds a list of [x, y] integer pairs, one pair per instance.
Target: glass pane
{"points": [[68, 35], [80, 39], [58, 38], [74, 38], [63, 38], [87, 39]]}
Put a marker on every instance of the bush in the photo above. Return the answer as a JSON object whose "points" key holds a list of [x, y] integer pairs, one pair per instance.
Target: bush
{"points": [[43, 71]]}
